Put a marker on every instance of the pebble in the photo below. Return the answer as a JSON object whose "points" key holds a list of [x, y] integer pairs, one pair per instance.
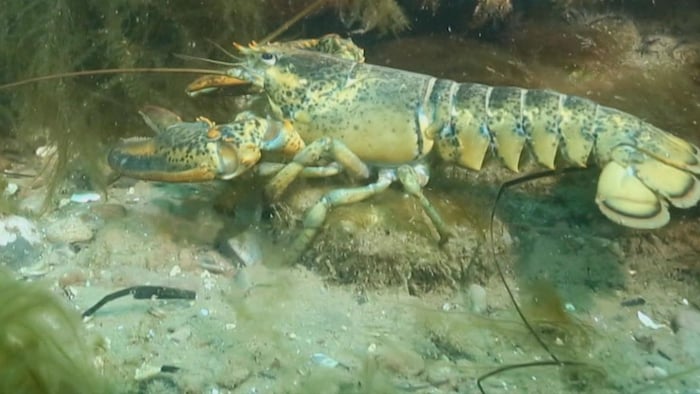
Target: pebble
{"points": [[636, 301], [146, 371], [652, 372], [69, 230], [86, 197], [10, 190], [14, 227], [19, 241], [175, 271], [399, 360], [109, 211], [246, 247], [477, 298], [74, 277]]}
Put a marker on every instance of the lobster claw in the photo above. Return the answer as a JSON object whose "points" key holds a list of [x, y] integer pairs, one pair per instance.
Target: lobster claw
{"points": [[210, 83], [178, 152]]}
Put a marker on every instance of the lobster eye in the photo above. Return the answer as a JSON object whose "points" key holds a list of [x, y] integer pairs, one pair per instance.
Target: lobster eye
{"points": [[268, 58]]}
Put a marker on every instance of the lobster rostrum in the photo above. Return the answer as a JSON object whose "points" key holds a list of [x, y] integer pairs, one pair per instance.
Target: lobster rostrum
{"points": [[380, 123]]}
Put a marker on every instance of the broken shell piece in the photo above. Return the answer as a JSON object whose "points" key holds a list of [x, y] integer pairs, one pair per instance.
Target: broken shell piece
{"points": [[35, 271], [175, 271], [156, 312], [10, 190], [246, 247], [648, 322], [146, 371], [85, 197], [324, 361], [45, 150]]}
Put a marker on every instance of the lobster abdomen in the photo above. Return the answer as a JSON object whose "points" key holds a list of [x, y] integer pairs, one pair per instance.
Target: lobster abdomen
{"points": [[644, 167]]}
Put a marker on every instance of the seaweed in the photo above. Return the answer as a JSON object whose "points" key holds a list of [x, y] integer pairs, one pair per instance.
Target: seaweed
{"points": [[81, 117], [42, 346], [383, 15]]}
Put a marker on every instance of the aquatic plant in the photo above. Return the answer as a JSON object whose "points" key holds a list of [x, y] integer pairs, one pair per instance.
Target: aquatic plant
{"points": [[81, 116], [42, 347]]}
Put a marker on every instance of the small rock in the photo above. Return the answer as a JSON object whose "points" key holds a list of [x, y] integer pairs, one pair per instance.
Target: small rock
{"points": [[10, 190], [175, 271], [653, 372], [477, 298], [399, 359], [13, 227], [636, 301], [146, 371], [74, 277], [246, 248], [19, 241], [68, 230], [85, 197], [109, 211]]}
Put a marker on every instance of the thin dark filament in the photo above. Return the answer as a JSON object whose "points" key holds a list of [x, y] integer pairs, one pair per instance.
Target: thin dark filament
{"points": [[204, 59], [110, 71]]}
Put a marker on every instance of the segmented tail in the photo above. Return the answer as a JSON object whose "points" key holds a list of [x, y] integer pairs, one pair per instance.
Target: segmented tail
{"points": [[644, 168]]}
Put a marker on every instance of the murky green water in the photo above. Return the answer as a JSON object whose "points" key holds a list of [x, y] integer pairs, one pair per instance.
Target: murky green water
{"points": [[375, 305]]}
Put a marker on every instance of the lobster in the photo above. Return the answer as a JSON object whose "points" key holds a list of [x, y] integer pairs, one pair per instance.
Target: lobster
{"points": [[333, 112]]}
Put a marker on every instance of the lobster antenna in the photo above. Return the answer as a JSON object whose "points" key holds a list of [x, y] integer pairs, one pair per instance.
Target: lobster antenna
{"points": [[296, 18], [206, 60], [222, 49], [138, 70], [554, 359]]}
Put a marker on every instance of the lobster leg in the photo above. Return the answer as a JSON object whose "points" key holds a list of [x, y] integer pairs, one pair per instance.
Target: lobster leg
{"points": [[412, 178], [413, 182], [270, 169], [317, 214], [321, 149]]}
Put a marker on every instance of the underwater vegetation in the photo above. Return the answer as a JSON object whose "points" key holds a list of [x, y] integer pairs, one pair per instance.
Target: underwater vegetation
{"points": [[42, 344]]}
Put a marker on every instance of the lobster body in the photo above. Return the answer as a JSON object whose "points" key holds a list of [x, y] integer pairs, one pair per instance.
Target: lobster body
{"points": [[389, 117], [372, 120]]}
